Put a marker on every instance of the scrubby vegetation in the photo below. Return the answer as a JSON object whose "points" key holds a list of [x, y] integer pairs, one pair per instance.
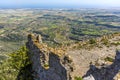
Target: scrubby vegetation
{"points": [[17, 66], [92, 41], [109, 59], [78, 78]]}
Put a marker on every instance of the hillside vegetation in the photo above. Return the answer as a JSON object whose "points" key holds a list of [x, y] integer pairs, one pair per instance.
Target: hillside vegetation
{"points": [[16, 66]]}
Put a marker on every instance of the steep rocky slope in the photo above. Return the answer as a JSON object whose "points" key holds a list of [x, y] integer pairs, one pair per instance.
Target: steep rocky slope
{"points": [[48, 63], [97, 59], [102, 59]]}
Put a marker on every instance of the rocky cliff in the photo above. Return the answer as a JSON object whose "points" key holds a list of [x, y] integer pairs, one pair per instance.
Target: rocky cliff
{"points": [[48, 63], [105, 72], [55, 64], [98, 61]]}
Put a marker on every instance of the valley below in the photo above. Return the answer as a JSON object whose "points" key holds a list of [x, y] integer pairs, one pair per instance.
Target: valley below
{"points": [[57, 26]]}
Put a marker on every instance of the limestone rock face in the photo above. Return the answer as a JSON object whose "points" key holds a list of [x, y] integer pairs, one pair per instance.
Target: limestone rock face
{"points": [[109, 72], [48, 63]]}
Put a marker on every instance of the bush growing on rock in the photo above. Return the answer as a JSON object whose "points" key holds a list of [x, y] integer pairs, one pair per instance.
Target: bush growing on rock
{"points": [[78, 78], [92, 41]]}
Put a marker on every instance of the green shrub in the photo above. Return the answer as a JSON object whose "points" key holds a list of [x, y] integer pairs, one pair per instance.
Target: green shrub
{"points": [[109, 59], [19, 58], [105, 41], [92, 41], [78, 78], [116, 44]]}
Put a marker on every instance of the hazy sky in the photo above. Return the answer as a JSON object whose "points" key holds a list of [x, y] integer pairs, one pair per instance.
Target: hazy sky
{"points": [[58, 3]]}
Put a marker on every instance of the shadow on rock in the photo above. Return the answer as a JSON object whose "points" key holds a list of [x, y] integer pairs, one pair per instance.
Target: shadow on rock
{"points": [[25, 73]]}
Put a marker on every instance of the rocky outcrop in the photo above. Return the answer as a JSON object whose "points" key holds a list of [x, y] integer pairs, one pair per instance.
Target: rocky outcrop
{"points": [[48, 63], [106, 72], [54, 64]]}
